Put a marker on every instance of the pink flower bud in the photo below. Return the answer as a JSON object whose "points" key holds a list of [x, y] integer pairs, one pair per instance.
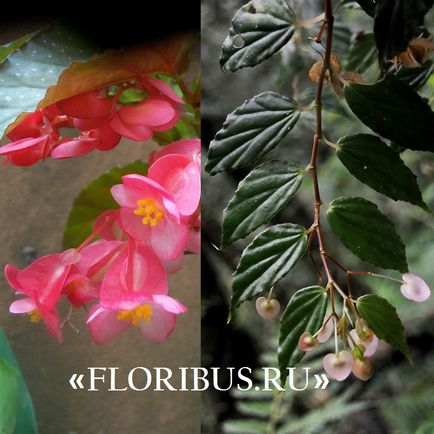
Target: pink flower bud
{"points": [[307, 342], [267, 309], [338, 366], [363, 369], [325, 331], [415, 288], [370, 343]]}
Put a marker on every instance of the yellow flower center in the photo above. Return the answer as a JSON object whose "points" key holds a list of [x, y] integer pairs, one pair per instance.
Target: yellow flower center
{"points": [[142, 312], [35, 316], [150, 210]]}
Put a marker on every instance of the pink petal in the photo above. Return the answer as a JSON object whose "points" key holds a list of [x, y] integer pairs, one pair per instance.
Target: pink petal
{"points": [[29, 127], [132, 132], [11, 273], [161, 325], [23, 305], [97, 255], [86, 106], [107, 138], [89, 124], [104, 325], [108, 227], [151, 113], [188, 147], [80, 290], [168, 125], [326, 331], [338, 366], [44, 277], [169, 304], [136, 187], [25, 152], [165, 89], [133, 226], [52, 321], [415, 288], [181, 178], [144, 271], [169, 239], [175, 265], [74, 148]]}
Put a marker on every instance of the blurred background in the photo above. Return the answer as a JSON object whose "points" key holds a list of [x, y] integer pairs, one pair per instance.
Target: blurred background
{"points": [[399, 398]]}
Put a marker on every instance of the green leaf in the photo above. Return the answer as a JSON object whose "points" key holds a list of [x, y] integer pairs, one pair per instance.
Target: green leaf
{"points": [[270, 256], [363, 53], [29, 71], [396, 23], [395, 111], [259, 197], [7, 49], [368, 233], [304, 312], [8, 397], [93, 200], [416, 77], [382, 318], [251, 131], [259, 29], [375, 164], [25, 414]]}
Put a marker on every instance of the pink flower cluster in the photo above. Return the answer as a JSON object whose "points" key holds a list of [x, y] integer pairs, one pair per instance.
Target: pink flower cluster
{"points": [[102, 118], [122, 277]]}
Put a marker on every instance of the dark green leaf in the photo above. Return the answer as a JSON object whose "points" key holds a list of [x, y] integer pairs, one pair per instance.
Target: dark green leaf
{"points": [[368, 6], [374, 163], [259, 197], [305, 312], [8, 397], [363, 53], [251, 131], [25, 415], [369, 234], [416, 77], [270, 256], [259, 29], [29, 71], [93, 200], [396, 23], [395, 111], [382, 318]]}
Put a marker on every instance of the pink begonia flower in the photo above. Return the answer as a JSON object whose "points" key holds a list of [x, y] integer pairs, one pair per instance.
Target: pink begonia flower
{"points": [[33, 140], [42, 283], [338, 366], [26, 152], [84, 281], [180, 176], [150, 214], [102, 138], [415, 288], [134, 293], [370, 343]]}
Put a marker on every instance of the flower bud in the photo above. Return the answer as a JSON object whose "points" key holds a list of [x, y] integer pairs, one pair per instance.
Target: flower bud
{"points": [[370, 343], [325, 331], [267, 309], [415, 288], [363, 369], [307, 342], [338, 366]]}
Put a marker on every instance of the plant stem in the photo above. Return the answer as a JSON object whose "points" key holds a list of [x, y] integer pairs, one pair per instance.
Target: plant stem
{"points": [[328, 26]]}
